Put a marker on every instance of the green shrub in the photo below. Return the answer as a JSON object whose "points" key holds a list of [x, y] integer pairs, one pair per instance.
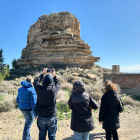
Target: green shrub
{"points": [[1, 97], [137, 98], [61, 110], [5, 71], [68, 92], [14, 64], [60, 116], [6, 106], [1, 77], [68, 115], [61, 107]]}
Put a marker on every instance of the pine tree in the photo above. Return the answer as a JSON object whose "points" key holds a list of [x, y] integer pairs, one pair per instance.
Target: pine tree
{"points": [[14, 64], [4, 69], [1, 60]]}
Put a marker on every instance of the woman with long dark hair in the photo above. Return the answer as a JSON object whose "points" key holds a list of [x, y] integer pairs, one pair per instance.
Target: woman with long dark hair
{"points": [[109, 111]]}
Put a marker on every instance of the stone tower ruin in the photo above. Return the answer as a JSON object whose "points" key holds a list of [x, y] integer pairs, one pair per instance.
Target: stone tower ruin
{"points": [[56, 39], [116, 69]]}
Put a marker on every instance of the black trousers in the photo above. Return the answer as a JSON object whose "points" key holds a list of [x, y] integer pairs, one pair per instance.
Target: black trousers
{"points": [[113, 133]]}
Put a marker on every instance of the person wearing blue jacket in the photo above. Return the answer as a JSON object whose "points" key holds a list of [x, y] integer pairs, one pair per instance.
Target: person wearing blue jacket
{"points": [[26, 100]]}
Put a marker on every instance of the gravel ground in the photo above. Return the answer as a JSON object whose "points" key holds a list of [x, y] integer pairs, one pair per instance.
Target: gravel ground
{"points": [[12, 123]]}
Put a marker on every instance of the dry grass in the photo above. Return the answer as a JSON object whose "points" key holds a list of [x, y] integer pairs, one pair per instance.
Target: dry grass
{"points": [[17, 83], [129, 101], [9, 87], [66, 79], [72, 79], [66, 86], [64, 75], [15, 103], [37, 74], [6, 106], [88, 81], [83, 74], [62, 96], [61, 79], [95, 92]]}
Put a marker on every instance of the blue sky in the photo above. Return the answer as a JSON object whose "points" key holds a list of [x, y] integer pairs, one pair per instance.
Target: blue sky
{"points": [[110, 27]]}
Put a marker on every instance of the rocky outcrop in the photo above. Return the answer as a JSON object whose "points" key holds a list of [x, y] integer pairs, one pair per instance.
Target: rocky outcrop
{"points": [[56, 39]]}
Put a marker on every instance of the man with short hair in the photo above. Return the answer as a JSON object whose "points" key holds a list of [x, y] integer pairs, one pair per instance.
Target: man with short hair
{"points": [[26, 100], [46, 104]]}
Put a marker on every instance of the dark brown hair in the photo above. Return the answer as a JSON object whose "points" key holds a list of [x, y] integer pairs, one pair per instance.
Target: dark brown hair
{"points": [[109, 86]]}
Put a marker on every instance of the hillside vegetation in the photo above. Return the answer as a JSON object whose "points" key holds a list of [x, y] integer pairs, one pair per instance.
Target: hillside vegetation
{"points": [[92, 78]]}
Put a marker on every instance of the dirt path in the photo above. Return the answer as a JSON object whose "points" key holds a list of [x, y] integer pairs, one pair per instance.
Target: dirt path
{"points": [[12, 123]]}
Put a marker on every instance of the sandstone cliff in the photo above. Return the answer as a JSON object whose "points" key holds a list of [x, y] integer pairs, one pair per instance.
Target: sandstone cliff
{"points": [[56, 38]]}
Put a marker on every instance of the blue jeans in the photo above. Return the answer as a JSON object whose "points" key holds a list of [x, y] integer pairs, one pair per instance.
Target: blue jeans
{"points": [[29, 118], [81, 135], [45, 124]]}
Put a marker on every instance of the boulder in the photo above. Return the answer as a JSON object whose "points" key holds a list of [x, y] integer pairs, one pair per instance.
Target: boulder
{"points": [[75, 74], [92, 76]]}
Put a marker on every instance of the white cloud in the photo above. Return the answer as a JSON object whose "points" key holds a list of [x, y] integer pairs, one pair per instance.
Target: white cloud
{"points": [[131, 69]]}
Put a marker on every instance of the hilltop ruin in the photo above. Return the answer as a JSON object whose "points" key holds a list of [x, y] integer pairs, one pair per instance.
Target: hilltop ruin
{"points": [[56, 39]]}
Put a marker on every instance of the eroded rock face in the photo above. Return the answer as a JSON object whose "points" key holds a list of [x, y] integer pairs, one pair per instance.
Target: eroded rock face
{"points": [[56, 38]]}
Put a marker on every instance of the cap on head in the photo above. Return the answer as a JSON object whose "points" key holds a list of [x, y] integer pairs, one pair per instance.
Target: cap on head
{"points": [[78, 87], [48, 79]]}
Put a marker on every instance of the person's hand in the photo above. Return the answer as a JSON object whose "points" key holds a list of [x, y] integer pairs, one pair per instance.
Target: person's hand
{"points": [[100, 122], [53, 72], [35, 118], [44, 71]]}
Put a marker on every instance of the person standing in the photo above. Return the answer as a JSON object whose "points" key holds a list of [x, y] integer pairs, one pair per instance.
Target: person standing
{"points": [[46, 104], [26, 100], [109, 113], [81, 120]]}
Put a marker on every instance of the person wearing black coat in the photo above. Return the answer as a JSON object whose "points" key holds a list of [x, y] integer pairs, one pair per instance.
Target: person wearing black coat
{"points": [[46, 104], [81, 119], [109, 113]]}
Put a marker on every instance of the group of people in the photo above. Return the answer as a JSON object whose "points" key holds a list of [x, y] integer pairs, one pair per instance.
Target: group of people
{"points": [[39, 102]]}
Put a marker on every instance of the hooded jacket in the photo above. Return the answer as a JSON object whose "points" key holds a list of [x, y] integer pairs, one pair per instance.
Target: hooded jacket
{"points": [[46, 97], [79, 102], [109, 113], [26, 98]]}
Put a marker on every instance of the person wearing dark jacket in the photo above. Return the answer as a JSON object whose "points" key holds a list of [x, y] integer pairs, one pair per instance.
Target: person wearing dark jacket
{"points": [[81, 120], [46, 104], [26, 100], [109, 113]]}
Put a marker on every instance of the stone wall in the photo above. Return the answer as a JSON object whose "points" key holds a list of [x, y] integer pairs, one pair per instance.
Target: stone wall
{"points": [[56, 38], [129, 83]]}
